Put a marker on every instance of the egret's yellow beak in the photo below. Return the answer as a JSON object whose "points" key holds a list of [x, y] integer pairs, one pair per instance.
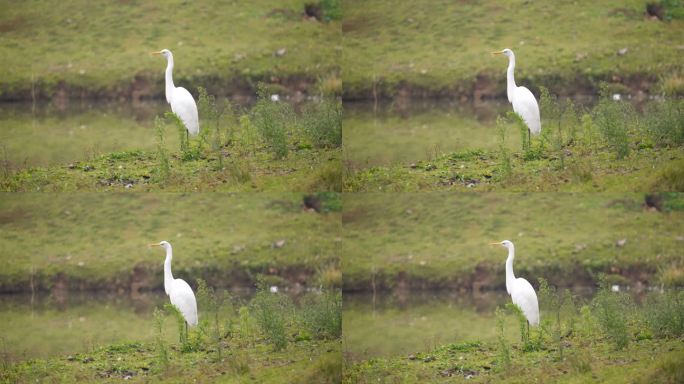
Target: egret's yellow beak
{"points": [[153, 245], [156, 53], [497, 53], [498, 243]]}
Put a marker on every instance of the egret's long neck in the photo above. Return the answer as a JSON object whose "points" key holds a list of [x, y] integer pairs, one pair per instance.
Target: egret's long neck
{"points": [[169, 79], [168, 277], [510, 79], [510, 277]]}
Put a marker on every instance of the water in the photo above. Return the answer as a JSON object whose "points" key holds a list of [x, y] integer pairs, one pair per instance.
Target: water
{"points": [[46, 134], [398, 325], [403, 134], [45, 326]]}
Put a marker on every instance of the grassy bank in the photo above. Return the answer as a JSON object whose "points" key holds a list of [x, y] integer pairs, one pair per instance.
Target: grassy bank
{"points": [[432, 240], [610, 338], [427, 49], [609, 147], [268, 147], [93, 241], [227, 47], [270, 339]]}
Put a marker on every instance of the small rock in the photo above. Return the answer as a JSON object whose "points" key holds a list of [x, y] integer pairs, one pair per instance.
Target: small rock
{"points": [[622, 51], [71, 358], [621, 243], [615, 288], [88, 360], [412, 357], [413, 165], [71, 166], [129, 186], [279, 244], [273, 289], [275, 97], [281, 52], [429, 359], [580, 247], [617, 97]]}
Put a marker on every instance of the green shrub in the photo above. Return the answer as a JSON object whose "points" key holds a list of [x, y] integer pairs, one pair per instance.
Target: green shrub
{"points": [[273, 120], [272, 312], [664, 313], [322, 123], [163, 168], [665, 122], [612, 310], [613, 118], [321, 314], [504, 352]]}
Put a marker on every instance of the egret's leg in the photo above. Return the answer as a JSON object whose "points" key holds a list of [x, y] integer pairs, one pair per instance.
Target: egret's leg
{"points": [[187, 138], [529, 146], [528, 331], [186, 331]]}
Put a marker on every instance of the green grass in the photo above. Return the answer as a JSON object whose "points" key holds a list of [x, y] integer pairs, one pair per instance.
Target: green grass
{"points": [[574, 344], [247, 353], [96, 241], [226, 47], [605, 148], [435, 49], [236, 151], [441, 239]]}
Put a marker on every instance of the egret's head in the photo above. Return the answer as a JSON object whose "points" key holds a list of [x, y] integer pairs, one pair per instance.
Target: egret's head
{"points": [[164, 52], [163, 244], [506, 52], [505, 244]]}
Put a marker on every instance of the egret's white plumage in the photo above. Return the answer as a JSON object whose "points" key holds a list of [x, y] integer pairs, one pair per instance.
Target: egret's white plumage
{"points": [[521, 291], [178, 290], [181, 101], [523, 101]]}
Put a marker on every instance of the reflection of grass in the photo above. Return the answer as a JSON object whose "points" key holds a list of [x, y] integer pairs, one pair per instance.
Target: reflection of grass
{"points": [[440, 239], [399, 328]]}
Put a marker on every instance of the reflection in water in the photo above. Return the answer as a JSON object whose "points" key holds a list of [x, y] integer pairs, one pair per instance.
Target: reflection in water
{"points": [[398, 325], [44, 326], [403, 134]]}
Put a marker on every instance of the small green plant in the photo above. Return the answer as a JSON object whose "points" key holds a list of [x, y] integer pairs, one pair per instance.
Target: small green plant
{"points": [[664, 313], [163, 167], [214, 117], [612, 309], [665, 122], [505, 167], [272, 312], [504, 353], [211, 302], [613, 118], [246, 327], [322, 314], [160, 343], [322, 123], [273, 120]]}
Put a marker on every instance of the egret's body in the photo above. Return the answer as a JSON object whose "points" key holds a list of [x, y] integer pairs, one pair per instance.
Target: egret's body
{"points": [[523, 101], [181, 101], [521, 291], [178, 290]]}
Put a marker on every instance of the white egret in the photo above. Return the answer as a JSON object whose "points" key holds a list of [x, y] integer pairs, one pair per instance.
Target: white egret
{"points": [[521, 290], [178, 290], [524, 103], [181, 101]]}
